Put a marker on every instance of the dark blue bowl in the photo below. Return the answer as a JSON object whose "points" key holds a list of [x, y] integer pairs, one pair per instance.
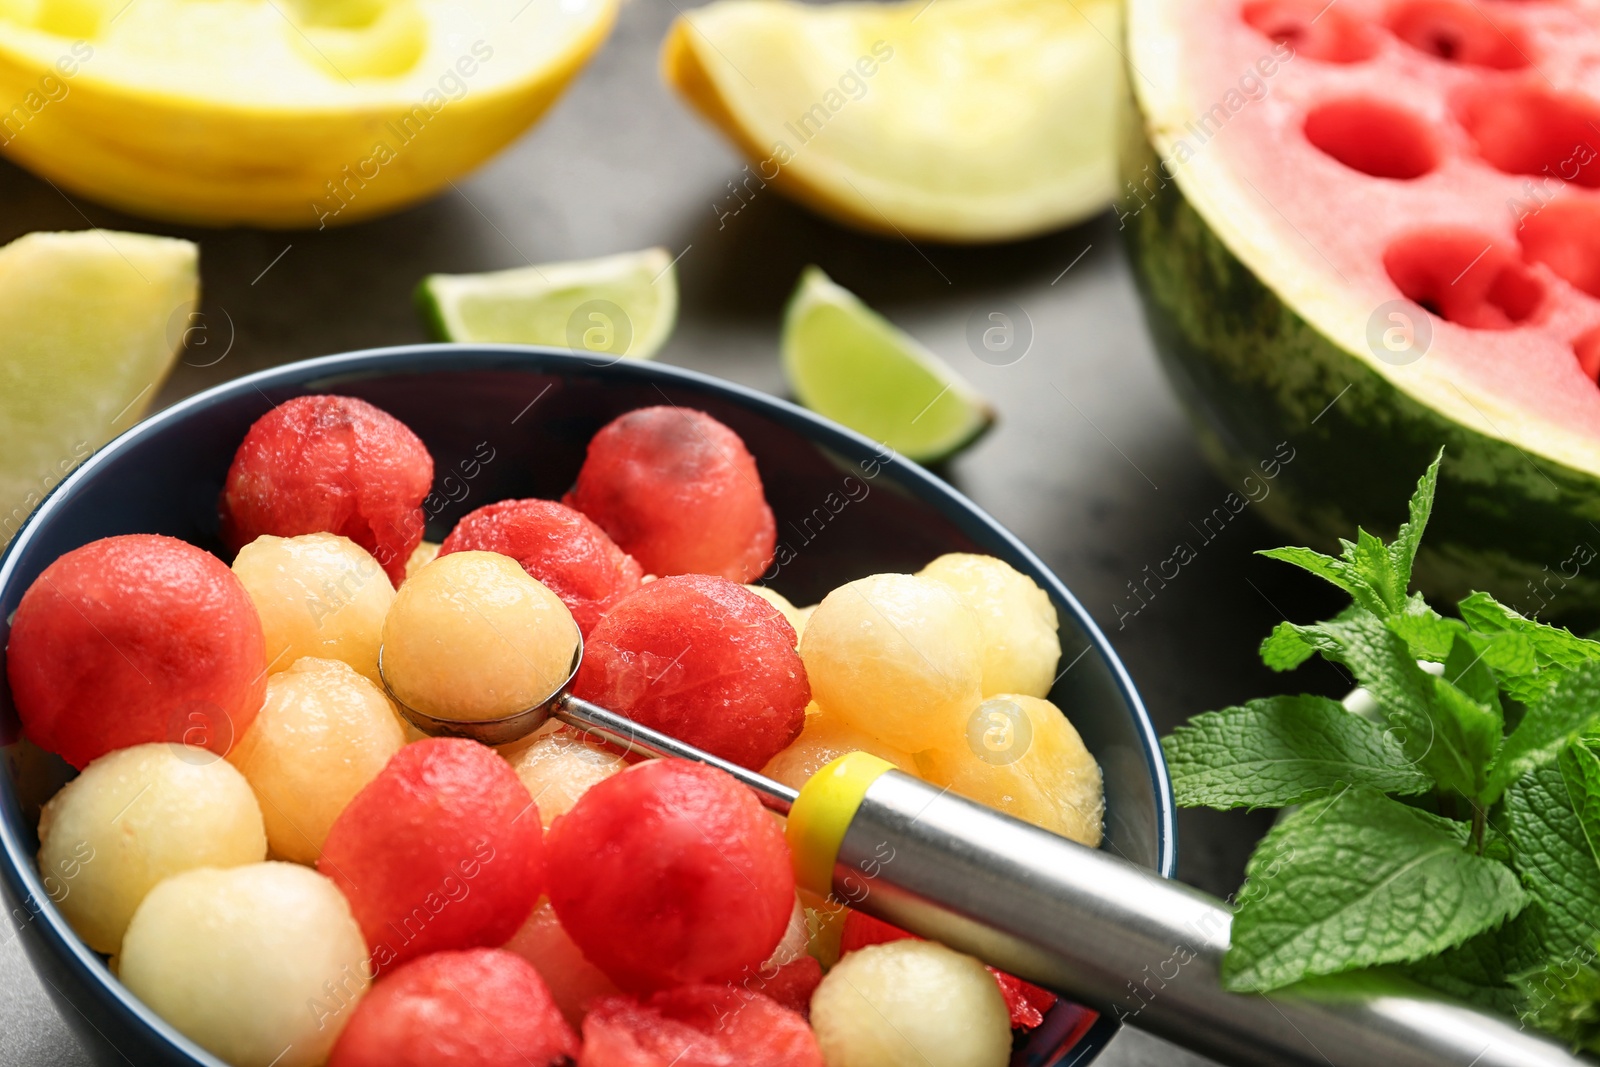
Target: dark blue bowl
{"points": [[505, 421]]}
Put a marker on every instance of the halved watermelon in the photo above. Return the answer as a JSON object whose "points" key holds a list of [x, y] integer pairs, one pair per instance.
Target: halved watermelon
{"points": [[1370, 228]]}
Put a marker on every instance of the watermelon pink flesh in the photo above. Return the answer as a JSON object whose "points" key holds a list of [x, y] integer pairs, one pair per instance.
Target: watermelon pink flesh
{"points": [[1419, 149]]}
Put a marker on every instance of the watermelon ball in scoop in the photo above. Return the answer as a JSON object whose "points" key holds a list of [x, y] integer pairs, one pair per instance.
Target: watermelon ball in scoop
{"points": [[478, 1008], [704, 660], [135, 639], [670, 873], [555, 544], [680, 492], [330, 464], [697, 1026], [442, 850]]}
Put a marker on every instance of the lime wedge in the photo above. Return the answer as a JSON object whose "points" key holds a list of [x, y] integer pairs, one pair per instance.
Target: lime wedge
{"points": [[91, 322], [847, 362], [622, 305]]}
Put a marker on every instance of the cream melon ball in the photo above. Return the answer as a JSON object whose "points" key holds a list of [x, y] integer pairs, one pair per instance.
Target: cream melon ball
{"points": [[824, 738], [134, 817], [1018, 621], [911, 1004], [472, 637], [795, 617], [262, 965], [899, 658], [1024, 758], [425, 553], [322, 734], [559, 767], [318, 595]]}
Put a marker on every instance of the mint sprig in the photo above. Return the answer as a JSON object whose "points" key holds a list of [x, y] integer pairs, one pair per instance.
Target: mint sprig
{"points": [[1454, 836], [1284, 750], [1356, 880], [1374, 574]]}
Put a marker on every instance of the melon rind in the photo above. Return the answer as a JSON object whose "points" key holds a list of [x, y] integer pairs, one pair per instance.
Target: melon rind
{"points": [[1252, 371]]}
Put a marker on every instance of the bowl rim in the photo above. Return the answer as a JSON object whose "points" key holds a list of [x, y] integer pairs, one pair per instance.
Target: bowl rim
{"points": [[23, 882]]}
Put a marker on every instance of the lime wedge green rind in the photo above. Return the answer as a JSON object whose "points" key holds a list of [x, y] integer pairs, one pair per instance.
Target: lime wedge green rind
{"points": [[566, 305], [850, 364], [91, 321]]}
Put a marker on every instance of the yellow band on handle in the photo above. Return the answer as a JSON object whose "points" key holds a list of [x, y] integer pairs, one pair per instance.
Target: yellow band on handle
{"points": [[820, 817]]}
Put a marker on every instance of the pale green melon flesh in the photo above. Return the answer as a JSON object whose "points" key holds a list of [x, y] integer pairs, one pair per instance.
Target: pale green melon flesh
{"points": [[90, 322]]}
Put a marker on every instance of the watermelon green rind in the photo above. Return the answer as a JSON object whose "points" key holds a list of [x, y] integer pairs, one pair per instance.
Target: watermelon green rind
{"points": [[1252, 371]]}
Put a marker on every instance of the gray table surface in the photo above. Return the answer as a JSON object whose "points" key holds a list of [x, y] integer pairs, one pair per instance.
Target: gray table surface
{"points": [[1092, 464]]}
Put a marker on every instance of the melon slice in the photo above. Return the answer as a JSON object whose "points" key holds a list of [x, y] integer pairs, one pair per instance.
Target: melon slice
{"points": [[91, 321], [961, 120], [1369, 229], [279, 113]]}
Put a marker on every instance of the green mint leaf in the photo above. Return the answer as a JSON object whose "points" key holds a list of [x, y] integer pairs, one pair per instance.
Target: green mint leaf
{"points": [[1369, 557], [1374, 574], [1283, 750], [1559, 714], [1466, 736], [1284, 649], [1403, 550], [1340, 572], [1429, 634], [1556, 854], [1357, 880], [1482, 970], [1514, 662], [1528, 656], [1465, 669], [1444, 731]]}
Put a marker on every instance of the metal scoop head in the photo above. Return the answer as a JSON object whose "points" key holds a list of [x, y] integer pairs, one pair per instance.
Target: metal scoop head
{"points": [[595, 723]]}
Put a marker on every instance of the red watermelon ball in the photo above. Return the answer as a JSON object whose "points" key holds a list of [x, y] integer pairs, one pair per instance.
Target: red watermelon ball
{"points": [[330, 464], [556, 545], [680, 492], [704, 660], [135, 639], [482, 1007], [668, 873], [442, 850], [696, 1026]]}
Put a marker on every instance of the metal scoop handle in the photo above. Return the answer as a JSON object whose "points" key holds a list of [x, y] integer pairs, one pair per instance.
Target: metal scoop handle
{"points": [[595, 721], [1131, 944]]}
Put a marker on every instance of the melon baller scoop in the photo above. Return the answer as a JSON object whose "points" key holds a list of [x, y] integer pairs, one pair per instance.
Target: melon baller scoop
{"points": [[1083, 923]]}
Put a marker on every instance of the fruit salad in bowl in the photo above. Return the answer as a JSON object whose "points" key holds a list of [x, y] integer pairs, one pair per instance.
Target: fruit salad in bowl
{"points": [[225, 843]]}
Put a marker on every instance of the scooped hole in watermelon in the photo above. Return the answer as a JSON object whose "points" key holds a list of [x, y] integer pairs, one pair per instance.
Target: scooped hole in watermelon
{"points": [[1373, 137], [1528, 130], [1459, 32], [1315, 29], [1565, 237], [1587, 349], [1464, 277]]}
